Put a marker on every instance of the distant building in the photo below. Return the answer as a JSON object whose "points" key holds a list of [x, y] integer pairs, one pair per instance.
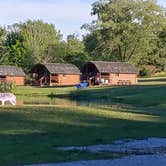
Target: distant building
{"points": [[109, 73], [12, 74], [55, 74]]}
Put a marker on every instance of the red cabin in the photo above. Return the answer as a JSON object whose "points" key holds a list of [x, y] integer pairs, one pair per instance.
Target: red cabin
{"points": [[12, 74], [109, 73], [56, 74]]}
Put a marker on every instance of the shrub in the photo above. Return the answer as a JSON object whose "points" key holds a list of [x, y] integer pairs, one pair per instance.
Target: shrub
{"points": [[28, 80], [148, 70], [6, 87]]}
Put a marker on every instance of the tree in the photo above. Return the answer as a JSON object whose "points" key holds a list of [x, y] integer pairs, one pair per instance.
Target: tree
{"points": [[75, 52], [3, 49], [160, 51], [57, 52], [125, 30], [14, 43], [38, 36]]}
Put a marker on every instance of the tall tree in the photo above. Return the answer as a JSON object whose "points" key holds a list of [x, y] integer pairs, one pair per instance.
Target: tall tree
{"points": [[14, 43], [125, 30], [4, 52], [38, 36], [57, 52], [75, 52]]}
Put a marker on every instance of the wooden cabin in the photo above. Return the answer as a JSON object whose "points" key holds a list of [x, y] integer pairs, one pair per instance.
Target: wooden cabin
{"points": [[55, 74], [109, 73], [12, 74]]}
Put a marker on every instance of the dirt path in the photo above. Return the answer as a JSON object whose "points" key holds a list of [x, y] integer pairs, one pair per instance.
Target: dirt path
{"points": [[143, 160], [145, 152], [128, 147]]}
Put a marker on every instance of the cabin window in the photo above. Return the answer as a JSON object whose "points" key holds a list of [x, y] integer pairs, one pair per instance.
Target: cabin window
{"points": [[117, 74], [54, 74], [2, 78]]}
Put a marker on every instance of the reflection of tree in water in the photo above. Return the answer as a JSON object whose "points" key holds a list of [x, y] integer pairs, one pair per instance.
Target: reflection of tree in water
{"points": [[47, 101]]}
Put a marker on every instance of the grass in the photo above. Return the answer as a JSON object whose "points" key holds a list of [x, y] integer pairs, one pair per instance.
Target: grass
{"points": [[152, 81], [30, 134], [41, 91], [141, 96], [160, 74]]}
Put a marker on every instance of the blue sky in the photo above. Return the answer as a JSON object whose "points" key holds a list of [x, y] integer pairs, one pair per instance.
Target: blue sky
{"points": [[66, 15]]}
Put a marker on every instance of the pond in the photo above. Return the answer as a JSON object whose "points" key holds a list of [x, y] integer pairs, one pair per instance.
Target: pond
{"points": [[55, 101], [44, 100], [47, 101]]}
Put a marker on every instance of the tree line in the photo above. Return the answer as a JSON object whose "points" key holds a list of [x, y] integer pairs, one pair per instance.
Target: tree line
{"points": [[124, 30]]}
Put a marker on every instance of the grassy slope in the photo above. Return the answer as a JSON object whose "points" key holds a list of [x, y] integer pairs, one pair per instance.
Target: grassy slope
{"points": [[29, 134], [147, 95], [160, 74], [39, 91]]}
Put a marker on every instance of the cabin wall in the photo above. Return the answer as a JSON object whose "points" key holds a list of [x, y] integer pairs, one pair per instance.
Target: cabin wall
{"points": [[16, 79], [117, 79], [66, 79]]}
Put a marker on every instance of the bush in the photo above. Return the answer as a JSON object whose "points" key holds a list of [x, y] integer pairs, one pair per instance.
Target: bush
{"points": [[148, 70], [6, 87], [28, 80]]}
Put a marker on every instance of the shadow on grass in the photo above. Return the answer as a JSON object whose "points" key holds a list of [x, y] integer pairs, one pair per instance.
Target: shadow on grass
{"points": [[143, 98], [30, 135]]}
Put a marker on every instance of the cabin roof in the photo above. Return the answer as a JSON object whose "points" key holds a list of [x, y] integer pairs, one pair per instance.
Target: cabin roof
{"points": [[61, 68], [6, 70], [115, 67]]}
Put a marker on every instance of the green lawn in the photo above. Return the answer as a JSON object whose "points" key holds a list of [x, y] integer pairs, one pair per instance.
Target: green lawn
{"points": [[160, 74], [41, 91], [29, 134]]}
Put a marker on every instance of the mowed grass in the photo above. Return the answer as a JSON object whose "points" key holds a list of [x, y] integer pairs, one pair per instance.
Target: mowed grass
{"points": [[30, 134], [137, 96], [41, 91]]}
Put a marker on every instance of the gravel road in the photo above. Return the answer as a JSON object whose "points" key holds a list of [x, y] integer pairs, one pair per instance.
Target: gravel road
{"points": [[150, 152], [143, 160]]}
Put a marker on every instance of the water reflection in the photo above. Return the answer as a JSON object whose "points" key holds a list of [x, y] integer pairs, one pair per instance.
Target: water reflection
{"points": [[49, 101], [58, 102], [45, 100]]}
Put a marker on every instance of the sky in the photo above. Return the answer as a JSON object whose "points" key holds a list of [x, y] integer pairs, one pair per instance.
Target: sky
{"points": [[67, 15]]}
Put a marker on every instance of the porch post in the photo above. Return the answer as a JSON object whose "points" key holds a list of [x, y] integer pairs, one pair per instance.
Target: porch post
{"points": [[50, 79], [100, 78]]}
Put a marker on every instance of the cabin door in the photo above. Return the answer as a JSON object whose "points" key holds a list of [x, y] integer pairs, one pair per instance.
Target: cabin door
{"points": [[105, 78]]}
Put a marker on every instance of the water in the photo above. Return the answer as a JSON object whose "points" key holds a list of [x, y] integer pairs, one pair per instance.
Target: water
{"points": [[45, 101]]}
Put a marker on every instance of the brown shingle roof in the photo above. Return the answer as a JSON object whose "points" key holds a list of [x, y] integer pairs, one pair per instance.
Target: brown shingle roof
{"points": [[61, 68], [6, 70], [114, 67]]}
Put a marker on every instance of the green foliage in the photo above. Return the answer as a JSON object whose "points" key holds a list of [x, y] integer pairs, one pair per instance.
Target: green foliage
{"points": [[124, 30], [6, 87], [38, 36], [75, 52], [4, 52], [15, 46], [32, 42], [148, 70], [144, 72], [129, 30], [57, 52]]}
